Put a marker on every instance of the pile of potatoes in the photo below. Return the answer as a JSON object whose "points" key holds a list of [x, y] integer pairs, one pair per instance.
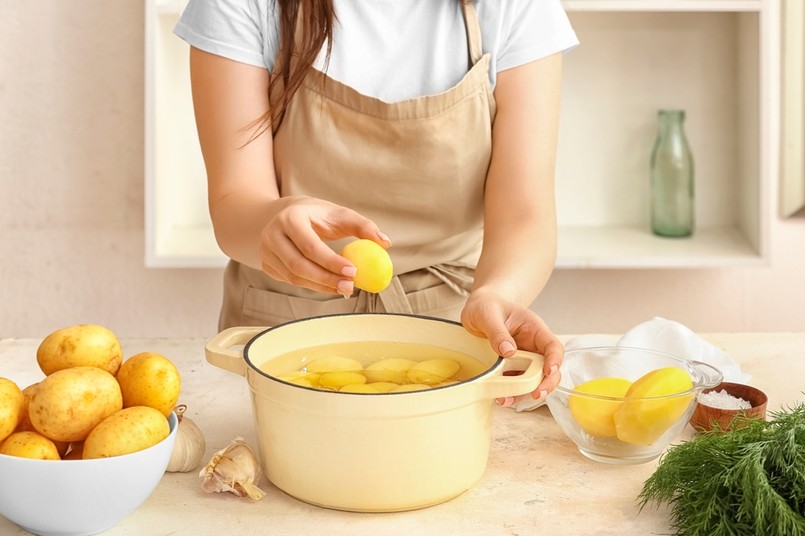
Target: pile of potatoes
{"points": [[91, 403]]}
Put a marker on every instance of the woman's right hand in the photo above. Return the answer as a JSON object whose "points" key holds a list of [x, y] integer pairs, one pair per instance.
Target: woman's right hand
{"points": [[293, 249]]}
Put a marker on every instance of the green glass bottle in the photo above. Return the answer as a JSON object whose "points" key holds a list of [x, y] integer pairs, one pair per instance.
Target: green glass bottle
{"points": [[671, 177]]}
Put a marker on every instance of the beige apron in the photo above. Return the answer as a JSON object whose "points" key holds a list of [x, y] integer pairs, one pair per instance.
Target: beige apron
{"points": [[417, 168]]}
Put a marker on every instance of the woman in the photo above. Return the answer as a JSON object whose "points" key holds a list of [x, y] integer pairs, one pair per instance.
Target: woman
{"points": [[325, 120]]}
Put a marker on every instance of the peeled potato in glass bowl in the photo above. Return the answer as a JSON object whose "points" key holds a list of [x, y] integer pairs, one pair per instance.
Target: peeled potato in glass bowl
{"points": [[625, 405]]}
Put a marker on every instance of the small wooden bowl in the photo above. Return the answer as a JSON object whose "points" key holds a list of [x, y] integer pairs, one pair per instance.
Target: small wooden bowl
{"points": [[706, 417]]}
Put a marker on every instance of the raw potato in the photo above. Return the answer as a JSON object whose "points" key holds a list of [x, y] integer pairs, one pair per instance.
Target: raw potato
{"points": [[24, 423], [129, 430], [30, 445], [69, 403], [83, 345], [11, 403], [150, 379]]}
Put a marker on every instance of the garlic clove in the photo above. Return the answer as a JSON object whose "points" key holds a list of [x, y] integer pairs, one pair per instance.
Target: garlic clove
{"points": [[190, 445], [234, 469]]}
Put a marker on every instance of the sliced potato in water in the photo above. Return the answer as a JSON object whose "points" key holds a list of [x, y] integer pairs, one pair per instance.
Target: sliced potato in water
{"points": [[384, 387], [333, 364], [337, 380], [360, 388], [433, 371], [392, 369], [299, 377]]}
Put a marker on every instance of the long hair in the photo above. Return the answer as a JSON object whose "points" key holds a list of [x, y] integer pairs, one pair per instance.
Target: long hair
{"points": [[317, 20]]}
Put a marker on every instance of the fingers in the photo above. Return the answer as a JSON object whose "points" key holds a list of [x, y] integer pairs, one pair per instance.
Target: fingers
{"points": [[547, 385], [550, 380], [294, 249], [554, 353], [508, 326]]}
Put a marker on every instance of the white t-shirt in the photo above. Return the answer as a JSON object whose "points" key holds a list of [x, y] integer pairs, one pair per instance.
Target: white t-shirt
{"points": [[389, 49]]}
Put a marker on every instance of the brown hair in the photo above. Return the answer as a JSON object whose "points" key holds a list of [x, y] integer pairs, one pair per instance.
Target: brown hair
{"points": [[317, 20]]}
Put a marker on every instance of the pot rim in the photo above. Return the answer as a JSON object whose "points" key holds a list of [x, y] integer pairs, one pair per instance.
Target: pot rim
{"points": [[327, 392]]}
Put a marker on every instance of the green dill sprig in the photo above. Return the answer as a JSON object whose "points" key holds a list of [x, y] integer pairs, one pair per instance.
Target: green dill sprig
{"points": [[748, 481]]}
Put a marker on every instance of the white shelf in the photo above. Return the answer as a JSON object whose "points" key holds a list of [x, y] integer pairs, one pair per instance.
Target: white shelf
{"points": [[717, 59], [716, 65], [636, 247], [663, 5]]}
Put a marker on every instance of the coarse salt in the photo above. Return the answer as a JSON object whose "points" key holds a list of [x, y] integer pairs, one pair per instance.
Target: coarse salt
{"points": [[723, 400]]}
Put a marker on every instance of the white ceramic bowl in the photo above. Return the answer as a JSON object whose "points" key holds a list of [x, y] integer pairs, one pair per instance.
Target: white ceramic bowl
{"points": [[585, 364], [80, 497]]}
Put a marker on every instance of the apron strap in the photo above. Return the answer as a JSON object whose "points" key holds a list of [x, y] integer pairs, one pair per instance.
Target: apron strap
{"points": [[393, 297], [473, 31]]}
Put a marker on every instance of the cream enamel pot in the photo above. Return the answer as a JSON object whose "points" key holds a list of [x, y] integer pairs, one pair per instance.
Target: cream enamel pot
{"points": [[371, 452]]}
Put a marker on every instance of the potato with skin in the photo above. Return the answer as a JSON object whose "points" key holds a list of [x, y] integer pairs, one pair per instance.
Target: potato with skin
{"points": [[129, 430], [30, 445], [11, 404], [82, 345], [150, 379], [24, 424], [69, 403]]}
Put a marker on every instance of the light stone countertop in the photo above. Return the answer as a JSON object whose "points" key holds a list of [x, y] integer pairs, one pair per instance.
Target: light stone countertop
{"points": [[536, 482]]}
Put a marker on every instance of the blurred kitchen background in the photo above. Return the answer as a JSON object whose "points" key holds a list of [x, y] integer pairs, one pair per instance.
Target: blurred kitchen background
{"points": [[102, 216]]}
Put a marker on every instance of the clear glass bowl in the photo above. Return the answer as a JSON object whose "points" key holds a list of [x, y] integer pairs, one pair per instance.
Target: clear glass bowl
{"points": [[645, 426]]}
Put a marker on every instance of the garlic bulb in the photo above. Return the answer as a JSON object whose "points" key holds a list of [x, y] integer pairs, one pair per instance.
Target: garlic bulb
{"points": [[234, 469], [190, 444]]}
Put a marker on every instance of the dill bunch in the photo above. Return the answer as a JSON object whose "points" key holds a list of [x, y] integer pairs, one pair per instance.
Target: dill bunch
{"points": [[748, 481]]}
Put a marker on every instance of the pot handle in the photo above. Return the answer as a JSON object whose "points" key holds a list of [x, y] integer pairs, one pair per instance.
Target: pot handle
{"points": [[219, 349], [502, 385]]}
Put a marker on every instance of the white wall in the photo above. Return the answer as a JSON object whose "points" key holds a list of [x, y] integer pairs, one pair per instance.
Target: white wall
{"points": [[71, 207]]}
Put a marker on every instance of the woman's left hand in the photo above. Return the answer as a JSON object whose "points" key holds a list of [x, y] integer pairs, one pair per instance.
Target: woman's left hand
{"points": [[509, 327]]}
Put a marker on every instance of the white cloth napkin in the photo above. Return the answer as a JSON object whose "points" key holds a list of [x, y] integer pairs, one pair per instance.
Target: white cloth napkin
{"points": [[661, 335]]}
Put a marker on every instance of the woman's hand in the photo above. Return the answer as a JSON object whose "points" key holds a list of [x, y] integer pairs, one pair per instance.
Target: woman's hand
{"points": [[292, 247], [508, 327]]}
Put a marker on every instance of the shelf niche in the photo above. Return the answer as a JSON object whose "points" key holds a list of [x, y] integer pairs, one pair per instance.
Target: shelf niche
{"points": [[713, 58]]}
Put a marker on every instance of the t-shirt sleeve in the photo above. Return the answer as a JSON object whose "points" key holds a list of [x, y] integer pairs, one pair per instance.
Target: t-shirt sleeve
{"points": [[536, 29], [240, 30]]}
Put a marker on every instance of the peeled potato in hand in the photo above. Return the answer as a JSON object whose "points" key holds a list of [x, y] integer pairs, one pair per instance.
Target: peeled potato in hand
{"points": [[129, 430], [150, 379], [69, 403], [373, 264], [11, 404], [82, 345]]}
